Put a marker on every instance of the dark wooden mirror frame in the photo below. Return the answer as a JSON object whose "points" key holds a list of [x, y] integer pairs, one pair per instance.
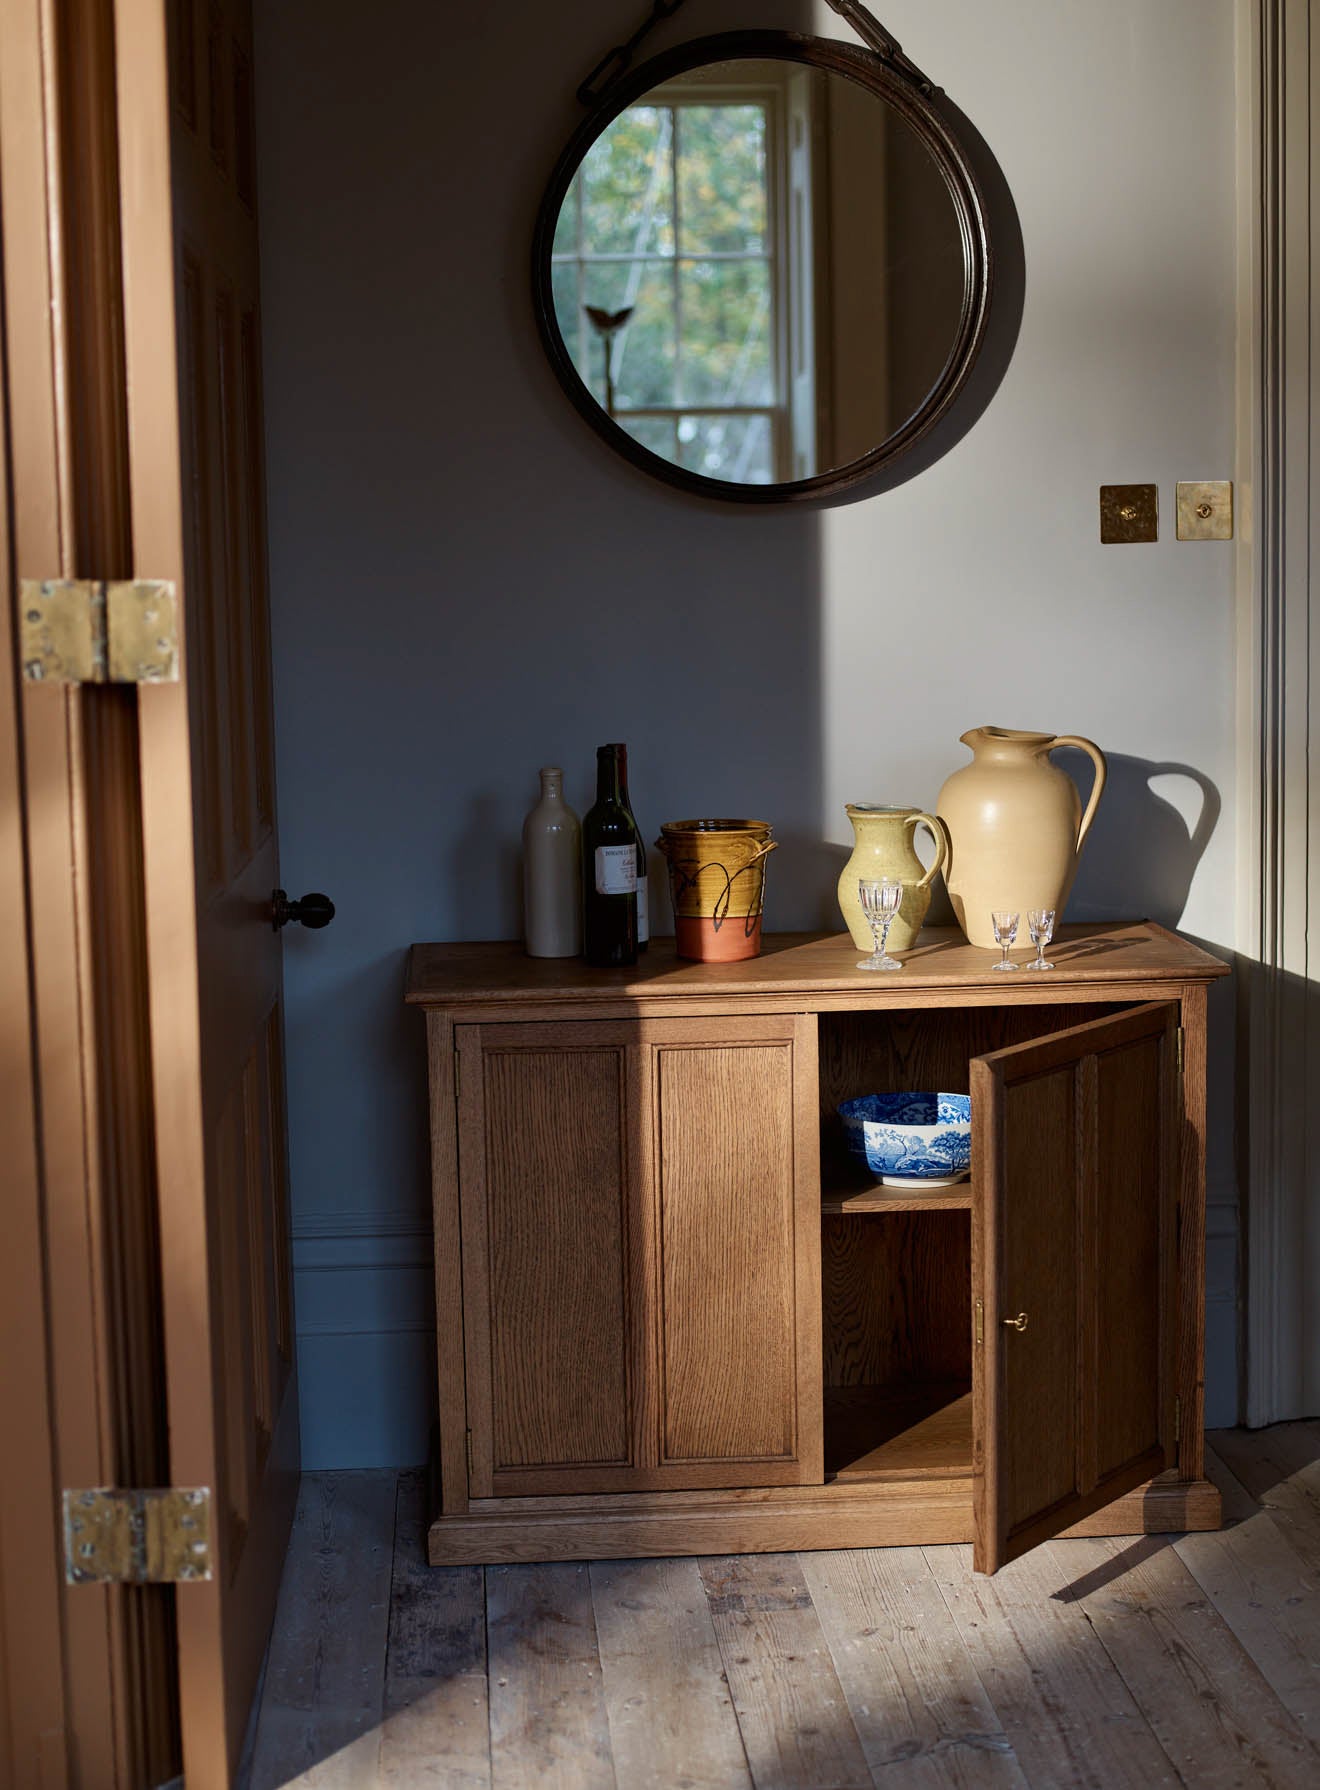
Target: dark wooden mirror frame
{"points": [[920, 108]]}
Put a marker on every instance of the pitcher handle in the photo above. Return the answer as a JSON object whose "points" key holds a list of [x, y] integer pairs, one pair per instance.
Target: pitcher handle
{"points": [[935, 827], [1097, 758]]}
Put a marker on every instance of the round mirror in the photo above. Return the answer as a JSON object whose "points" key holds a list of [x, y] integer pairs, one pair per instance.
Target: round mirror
{"points": [[761, 268]]}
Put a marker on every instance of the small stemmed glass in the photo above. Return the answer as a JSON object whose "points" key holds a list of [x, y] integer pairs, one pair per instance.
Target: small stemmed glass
{"points": [[1040, 922], [881, 900], [1006, 928]]}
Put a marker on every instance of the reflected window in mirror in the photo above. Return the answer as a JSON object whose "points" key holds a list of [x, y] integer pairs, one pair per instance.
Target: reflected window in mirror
{"points": [[665, 258], [759, 271]]}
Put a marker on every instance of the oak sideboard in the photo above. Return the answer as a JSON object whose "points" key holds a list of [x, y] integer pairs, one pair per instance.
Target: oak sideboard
{"points": [[673, 1317]]}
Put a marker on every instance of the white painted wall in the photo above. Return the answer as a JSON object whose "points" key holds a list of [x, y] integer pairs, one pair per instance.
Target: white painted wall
{"points": [[466, 584]]}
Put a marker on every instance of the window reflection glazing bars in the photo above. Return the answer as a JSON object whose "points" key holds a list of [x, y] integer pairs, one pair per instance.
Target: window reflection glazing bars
{"points": [[765, 101]]}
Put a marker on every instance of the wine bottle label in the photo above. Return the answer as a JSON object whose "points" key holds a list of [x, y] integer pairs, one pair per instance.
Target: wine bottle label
{"points": [[643, 908], [616, 870]]}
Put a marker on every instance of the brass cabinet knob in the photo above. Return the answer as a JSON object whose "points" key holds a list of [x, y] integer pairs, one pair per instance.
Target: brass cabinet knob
{"points": [[1017, 1323]]}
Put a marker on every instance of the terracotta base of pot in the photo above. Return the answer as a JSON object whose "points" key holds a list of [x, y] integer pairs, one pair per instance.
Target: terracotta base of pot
{"points": [[732, 941]]}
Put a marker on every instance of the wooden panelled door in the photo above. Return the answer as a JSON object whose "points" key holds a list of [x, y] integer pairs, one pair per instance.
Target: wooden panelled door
{"points": [[133, 413], [1074, 1236], [642, 1304], [192, 351]]}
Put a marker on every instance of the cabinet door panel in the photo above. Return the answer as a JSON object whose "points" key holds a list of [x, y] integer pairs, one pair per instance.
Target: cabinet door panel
{"points": [[737, 1222], [1041, 1375], [544, 1140], [1131, 1264], [1074, 1191]]}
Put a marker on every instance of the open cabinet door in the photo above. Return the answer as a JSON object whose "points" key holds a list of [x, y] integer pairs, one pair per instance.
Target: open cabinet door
{"points": [[209, 851], [1075, 1176]]}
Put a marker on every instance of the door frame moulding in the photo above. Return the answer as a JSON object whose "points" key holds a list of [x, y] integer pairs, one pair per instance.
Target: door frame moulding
{"points": [[91, 1267], [1276, 471], [33, 1715]]}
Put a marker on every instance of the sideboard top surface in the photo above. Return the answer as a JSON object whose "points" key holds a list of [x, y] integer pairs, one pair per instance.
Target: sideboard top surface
{"points": [[807, 966]]}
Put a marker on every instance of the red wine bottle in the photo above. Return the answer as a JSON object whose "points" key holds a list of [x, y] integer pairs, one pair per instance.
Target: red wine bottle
{"points": [[609, 870], [643, 888]]}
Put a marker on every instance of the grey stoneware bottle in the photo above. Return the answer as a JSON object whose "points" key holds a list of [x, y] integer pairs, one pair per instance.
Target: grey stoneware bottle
{"points": [[552, 872]]}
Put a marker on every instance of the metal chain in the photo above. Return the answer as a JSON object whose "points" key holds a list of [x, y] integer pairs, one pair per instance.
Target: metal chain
{"points": [[616, 62]]}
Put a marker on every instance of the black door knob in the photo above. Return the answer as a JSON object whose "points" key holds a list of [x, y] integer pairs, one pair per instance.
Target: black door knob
{"points": [[313, 910]]}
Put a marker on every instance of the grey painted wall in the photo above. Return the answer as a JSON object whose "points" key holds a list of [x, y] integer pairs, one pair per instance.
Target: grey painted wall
{"points": [[467, 585]]}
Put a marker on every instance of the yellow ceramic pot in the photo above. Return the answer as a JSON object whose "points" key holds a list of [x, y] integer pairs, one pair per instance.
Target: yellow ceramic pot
{"points": [[884, 847], [717, 884], [1015, 827]]}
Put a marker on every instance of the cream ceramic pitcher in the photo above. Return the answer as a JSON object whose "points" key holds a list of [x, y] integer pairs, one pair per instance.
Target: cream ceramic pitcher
{"points": [[884, 847], [1016, 827]]}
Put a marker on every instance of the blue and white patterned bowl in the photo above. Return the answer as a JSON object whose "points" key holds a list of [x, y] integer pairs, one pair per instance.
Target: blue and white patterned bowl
{"points": [[910, 1137]]}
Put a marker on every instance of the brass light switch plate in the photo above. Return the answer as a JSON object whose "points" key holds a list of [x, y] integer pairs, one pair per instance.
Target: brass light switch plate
{"points": [[1205, 510], [1128, 513]]}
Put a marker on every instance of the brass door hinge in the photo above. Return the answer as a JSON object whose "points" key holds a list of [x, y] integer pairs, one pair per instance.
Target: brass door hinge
{"points": [[978, 1322], [117, 1537], [1177, 1420], [80, 631], [1180, 1049]]}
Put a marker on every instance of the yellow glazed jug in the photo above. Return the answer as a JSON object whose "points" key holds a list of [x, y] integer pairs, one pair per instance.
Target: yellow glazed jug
{"points": [[1016, 827], [884, 847]]}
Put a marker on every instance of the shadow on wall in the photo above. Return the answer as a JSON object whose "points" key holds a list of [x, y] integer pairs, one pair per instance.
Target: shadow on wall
{"points": [[1142, 852], [1008, 297]]}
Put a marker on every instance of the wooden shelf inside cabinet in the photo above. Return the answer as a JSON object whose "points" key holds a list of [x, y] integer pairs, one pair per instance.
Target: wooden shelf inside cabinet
{"points": [[913, 1430], [888, 1199]]}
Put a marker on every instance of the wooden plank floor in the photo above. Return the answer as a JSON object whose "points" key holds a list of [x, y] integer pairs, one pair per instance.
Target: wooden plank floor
{"points": [[1187, 1660]]}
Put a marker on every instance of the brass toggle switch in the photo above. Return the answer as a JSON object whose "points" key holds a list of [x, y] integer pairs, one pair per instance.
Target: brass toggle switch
{"points": [[1128, 513], [1205, 510]]}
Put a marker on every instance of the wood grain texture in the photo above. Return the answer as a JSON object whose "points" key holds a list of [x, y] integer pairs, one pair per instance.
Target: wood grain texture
{"points": [[1074, 1169], [1084, 1665], [878, 1199], [650, 1527], [1269, 1595], [724, 1118], [919, 1050], [896, 1298], [1191, 1235], [732, 1164], [76, 811], [1282, 1469], [1237, 1500], [791, 1709], [33, 1698], [447, 1232], [1162, 1506], [214, 964], [919, 1707], [1086, 957], [1211, 1709], [437, 1725], [779, 1518], [324, 1689], [548, 1722], [547, 1210], [1066, 1711], [1097, 1127], [671, 1716], [909, 1429]]}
